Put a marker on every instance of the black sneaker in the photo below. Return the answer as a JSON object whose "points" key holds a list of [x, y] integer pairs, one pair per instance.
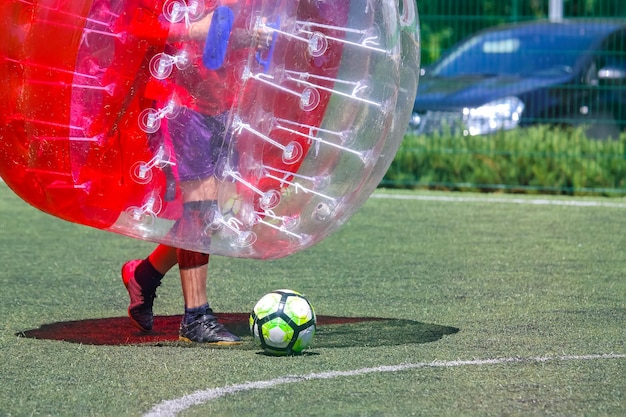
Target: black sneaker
{"points": [[206, 329], [141, 299]]}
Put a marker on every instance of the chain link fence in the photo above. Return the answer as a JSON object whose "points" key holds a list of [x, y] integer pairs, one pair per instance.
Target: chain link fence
{"points": [[540, 109]]}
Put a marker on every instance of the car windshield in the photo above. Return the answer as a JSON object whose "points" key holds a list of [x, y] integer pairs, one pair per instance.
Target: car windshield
{"points": [[509, 52]]}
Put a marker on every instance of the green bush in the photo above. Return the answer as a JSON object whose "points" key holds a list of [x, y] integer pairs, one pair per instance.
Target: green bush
{"points": [[536, 159]]}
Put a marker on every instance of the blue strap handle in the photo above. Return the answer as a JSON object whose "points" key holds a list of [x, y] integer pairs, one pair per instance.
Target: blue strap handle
{"points": [[265, 62], [217, 39]]}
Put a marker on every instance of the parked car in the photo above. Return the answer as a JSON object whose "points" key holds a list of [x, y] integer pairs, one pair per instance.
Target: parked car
{"points": [[566, 73]]}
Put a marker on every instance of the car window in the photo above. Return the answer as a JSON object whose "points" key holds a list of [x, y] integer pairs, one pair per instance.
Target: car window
{"points": [[613, 52], [516, 53]]}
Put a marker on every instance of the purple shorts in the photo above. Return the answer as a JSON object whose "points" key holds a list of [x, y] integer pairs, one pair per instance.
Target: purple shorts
{"points": [[200, 143]]}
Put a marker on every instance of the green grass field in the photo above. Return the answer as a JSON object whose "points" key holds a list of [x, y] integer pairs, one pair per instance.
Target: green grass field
{"points": [[493, 305]]}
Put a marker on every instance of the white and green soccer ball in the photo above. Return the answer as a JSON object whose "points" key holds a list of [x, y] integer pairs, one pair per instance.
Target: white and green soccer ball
{"points": [[283, 322]]}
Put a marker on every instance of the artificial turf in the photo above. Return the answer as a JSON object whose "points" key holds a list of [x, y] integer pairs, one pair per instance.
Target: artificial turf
{"points": [[452, 280]]}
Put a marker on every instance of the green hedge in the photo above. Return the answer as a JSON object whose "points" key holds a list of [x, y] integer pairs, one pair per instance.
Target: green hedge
{"points": [[536, 159]]}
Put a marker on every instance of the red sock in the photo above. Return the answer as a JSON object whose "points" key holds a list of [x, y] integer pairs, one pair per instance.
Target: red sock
{"points": [[191, 259]]}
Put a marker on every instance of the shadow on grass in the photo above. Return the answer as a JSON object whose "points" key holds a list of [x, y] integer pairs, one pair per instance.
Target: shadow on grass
{"points": [[332, 332]]}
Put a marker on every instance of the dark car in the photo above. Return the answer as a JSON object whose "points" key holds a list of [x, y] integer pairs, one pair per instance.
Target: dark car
{"points": [[566, 73]]}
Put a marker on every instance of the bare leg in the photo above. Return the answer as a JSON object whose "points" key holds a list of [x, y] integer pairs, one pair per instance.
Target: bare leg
{"points": [[194, 281], [199, 190], [193, 271], [199, 323]]}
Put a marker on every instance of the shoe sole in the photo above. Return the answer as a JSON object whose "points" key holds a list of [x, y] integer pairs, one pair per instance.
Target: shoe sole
{"points": [[136, 324], [218, 343]]}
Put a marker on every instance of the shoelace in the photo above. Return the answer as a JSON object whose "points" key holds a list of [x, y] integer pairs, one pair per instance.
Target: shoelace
{"points": [[210, 322], [149, 295]]}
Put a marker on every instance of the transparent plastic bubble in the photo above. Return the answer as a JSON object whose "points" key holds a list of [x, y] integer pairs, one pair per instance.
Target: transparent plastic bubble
{"points": [[322, 212], [309, 99], [264, 125], [293, 153], [141, 172], [270, 199], [245, 239], [318, 44], [176, 11], [291, 222], [161, 66]]}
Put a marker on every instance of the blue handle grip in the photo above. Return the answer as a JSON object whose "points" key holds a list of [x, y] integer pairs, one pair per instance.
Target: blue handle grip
{"points": [[265, 62], [217, 39]]}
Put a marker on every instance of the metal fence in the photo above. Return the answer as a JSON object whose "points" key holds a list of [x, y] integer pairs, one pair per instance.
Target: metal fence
{"points": [[569, 104], [446, 22]]}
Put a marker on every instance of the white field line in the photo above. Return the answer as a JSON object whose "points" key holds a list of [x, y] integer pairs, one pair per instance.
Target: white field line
{"points": [[528, 201], [175, 406]]}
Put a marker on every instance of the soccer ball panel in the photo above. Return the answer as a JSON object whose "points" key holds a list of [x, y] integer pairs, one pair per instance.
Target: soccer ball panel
{"points": [[267, 305], [298, 310], [277, 333], [304, 339]]}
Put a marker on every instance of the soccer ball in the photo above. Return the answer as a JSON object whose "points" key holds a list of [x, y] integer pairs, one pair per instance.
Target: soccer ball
{"points": [[283, 322]]}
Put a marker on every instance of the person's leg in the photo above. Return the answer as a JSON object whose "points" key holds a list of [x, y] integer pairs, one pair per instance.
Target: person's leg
{"points": [[163, 258], [199, 324], [199, 142], [193, 268], [141, 278]]}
